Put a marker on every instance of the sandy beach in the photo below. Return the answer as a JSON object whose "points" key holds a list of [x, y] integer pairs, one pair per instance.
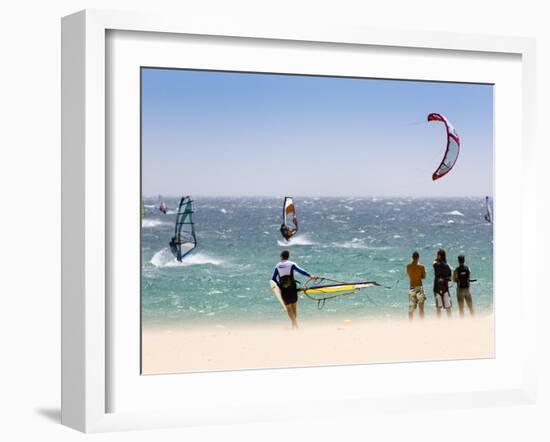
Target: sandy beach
{"points": [[169, 350]]}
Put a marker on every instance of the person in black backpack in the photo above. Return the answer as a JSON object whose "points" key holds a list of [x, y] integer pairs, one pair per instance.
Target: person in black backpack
{"points": [[461, 276]]}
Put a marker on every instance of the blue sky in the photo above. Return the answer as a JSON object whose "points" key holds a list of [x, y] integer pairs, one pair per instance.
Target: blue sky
{"points": [[242, 134]]}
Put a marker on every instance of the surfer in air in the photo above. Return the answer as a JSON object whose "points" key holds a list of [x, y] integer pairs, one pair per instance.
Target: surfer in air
{"points": [[289, 216], [283, 277], [287, 231]]}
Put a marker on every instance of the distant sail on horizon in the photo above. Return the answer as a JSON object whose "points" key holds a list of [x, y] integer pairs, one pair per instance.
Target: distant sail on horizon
{"points": [[488, 211]]}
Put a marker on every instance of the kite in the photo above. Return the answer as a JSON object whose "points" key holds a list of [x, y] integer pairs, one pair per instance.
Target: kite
{"points": [[452, 147]]}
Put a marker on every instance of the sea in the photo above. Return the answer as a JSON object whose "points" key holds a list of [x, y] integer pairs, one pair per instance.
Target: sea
{"points": [[225, 280]]}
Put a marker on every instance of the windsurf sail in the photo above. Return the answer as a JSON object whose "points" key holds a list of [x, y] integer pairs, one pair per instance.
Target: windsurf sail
{"points": [[452, 148], [162, 205], [334, 289], [488, 211], [184, 240], [289, 225]]}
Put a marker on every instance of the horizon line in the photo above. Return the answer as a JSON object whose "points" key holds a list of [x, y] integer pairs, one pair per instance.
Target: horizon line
{"points": [[157, 195]]}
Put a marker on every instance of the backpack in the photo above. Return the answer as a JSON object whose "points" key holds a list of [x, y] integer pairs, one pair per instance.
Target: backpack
{"points": [[463, 276], [286, 281]]}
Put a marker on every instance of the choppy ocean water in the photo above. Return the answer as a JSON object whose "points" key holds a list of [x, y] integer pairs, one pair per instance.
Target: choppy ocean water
{"points": [[225, 280]]}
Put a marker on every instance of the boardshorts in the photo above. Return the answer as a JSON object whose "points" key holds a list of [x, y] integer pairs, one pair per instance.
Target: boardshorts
{"points": [[416, 296], [290, 294], [443, 300]]}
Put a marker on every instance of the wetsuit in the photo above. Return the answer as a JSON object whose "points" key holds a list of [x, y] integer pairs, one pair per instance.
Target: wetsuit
{"points": [[174, 248], [286, 231], [283, 275], [442, 276]]}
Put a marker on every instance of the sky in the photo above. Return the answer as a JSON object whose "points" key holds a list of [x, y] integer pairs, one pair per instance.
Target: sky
{"points": [[210, 133]]}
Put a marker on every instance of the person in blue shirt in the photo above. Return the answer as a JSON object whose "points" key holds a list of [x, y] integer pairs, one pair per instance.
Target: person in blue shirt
{"points": [[283, 276]]}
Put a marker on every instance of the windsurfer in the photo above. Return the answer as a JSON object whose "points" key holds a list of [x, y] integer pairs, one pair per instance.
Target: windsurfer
{"points": [[174, 246], [287, 232], [283, 276]]}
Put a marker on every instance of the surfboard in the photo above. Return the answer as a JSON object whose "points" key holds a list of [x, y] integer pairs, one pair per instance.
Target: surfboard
{"points": [[277, 292]]}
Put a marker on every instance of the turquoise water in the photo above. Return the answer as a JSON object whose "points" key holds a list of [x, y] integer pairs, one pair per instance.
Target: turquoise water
{"points": [[226, 278]]}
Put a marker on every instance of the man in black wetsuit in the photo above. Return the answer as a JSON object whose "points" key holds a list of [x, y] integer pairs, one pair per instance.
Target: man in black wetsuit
{"points": [[442, 276]]}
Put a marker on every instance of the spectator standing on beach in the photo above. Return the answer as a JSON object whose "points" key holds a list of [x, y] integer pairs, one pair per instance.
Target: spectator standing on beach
{"points": [[461, 275], [416, 273], [442, 277]]}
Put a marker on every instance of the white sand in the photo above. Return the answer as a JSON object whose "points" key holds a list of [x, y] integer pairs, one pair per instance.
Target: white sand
{"points": [[328, 343]]}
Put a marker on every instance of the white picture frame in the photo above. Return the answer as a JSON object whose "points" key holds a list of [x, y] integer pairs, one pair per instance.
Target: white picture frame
{"points": [[87, 216]]}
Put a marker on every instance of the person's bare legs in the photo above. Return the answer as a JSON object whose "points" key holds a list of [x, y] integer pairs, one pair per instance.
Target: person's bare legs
{"points": [[470, 303], [421, 310], [290, 313], [449, 312], [460, 300], [291, 310]]}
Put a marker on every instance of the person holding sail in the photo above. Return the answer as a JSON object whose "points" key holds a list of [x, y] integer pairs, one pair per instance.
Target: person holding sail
{"points": [[283, 276], [289, 210], [287, 231]]}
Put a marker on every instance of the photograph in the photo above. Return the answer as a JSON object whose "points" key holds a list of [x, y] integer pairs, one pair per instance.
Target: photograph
{"points": [[293, 220]]}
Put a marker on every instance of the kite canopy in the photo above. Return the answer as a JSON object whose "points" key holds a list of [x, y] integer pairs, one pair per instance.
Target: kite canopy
{"points": [[184, 240], [289, 225], [452, 148]]}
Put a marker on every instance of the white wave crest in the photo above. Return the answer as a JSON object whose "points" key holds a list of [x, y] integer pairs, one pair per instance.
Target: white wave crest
{"points": [[164, 258], [356, 244], [300, 240], [454, 213], [149, 223]]}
